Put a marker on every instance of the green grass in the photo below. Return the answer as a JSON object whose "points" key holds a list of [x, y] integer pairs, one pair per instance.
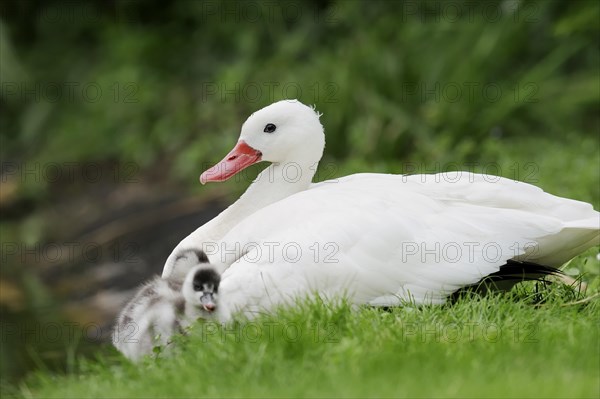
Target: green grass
{"points": [[535, 342]]}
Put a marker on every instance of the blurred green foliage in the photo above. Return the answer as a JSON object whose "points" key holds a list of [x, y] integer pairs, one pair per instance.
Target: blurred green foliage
{"points": [[404, 86], [395, 80]]}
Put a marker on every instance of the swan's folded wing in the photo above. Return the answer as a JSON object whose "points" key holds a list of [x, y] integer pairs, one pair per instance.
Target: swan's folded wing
{"points": [[384, 239]]}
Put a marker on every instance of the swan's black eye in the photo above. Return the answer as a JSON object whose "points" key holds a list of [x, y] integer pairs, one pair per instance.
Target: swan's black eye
{"points": [[270, 128]]}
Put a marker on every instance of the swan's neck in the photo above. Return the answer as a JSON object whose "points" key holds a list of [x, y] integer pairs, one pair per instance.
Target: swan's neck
{"points": [[275, 183]]}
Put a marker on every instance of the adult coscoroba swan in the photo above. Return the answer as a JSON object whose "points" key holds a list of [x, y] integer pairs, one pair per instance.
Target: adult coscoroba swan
{"points": [[374, 238], [300, 149]]}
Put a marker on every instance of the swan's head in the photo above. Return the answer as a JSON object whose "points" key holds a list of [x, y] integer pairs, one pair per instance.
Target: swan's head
{"points": [[285, 131], [201, 286]]}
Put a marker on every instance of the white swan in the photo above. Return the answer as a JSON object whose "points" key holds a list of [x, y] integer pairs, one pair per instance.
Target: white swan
{"points": [[374, 238], [300, 149]]}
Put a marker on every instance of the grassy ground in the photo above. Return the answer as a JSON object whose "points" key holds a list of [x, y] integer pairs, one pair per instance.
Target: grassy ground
{"points": [[525, 344]]}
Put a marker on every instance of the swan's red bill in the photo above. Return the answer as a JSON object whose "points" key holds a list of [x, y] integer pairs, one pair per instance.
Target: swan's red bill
{"points": [[237, 160]]}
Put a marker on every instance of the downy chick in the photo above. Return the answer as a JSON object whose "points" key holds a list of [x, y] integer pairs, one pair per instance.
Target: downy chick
{"points": [[166, 306]]}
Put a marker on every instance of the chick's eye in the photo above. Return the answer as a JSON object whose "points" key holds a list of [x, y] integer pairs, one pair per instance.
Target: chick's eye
{"points": [[270, 128]]}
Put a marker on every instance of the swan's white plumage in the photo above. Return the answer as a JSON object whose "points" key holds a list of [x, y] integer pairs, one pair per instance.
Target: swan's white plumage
{"points": [[376, 222], [470, 227]]}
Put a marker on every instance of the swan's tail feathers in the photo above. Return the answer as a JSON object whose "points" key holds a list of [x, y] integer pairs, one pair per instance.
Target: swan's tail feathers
{"points": [[510, 274], [590, 223], [576, 237]]}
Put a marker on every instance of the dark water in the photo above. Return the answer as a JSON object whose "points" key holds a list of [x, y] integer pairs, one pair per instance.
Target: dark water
{"points": [[74, 283]]}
